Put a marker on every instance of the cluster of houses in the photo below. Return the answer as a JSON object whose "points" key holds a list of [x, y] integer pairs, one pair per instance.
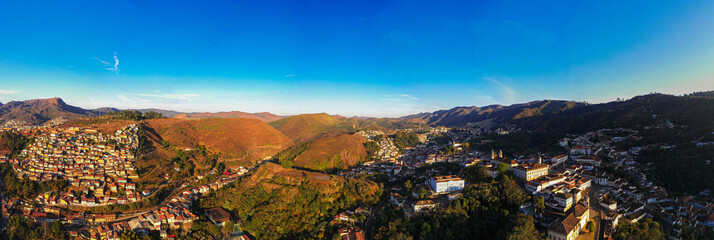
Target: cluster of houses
{"points": [[348, 222], [443, 189], [560, 190], [634, 198], [387, 150], [173, 214], [87, 159]]}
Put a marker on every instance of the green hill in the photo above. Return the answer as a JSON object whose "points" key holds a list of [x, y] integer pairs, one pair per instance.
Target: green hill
{"points": [[335, 150], [280, 203]]}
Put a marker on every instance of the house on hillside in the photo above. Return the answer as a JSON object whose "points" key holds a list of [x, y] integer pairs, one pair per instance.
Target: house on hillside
{"points": [[569, 227]]}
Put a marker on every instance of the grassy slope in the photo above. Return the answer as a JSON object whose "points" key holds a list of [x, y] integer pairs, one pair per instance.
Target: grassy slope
{"points": [[302, 127], [242, 139], [336, 150], [279, 203]]}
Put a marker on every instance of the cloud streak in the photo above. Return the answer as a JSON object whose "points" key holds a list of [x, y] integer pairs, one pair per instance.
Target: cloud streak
{"points": [[507, 93], [115, 69], [109, 66]]}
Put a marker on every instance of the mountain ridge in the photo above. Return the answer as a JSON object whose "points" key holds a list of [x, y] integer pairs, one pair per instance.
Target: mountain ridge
{"points": [[37, 111], [464, 114]]}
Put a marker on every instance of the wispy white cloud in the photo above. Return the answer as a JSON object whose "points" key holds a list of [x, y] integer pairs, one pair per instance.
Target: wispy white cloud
{"points": [[109, 66], [8, 92], [405, 98], [507, 93], [409, 96], [290, 75], [102, 61]]}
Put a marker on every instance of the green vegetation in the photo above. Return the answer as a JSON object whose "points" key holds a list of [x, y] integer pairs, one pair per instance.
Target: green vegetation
{"points": [[683, 169], [20, 227], [145, 145], [220, 168], [288, 208], [372, 149], [692, 233], [590, 226], [483, 212], [287, 157], [404, 139], [25, 187], [647, 229], [477, 174], [539, 204], [15, 143], [134, 115], [131, 235], [520, 143]]}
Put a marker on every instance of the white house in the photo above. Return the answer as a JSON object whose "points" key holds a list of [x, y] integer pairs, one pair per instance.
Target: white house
{"points": [[446, 183]]}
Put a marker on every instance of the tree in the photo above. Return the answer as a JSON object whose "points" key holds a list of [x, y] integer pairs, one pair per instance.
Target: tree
{"points": [[15, 143], [477, 174], [523, 229], [502, 168], [405, 139], [129, 235], [590, 226], [220, 167], [286, 164], [539, 204], [227, 228], [512, 194], [423, 193], [647, 229], [408, 185]]}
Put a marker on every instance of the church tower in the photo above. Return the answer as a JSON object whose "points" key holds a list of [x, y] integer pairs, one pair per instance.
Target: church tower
{"points": [[540, 160], [493, 154], [500, 153]]}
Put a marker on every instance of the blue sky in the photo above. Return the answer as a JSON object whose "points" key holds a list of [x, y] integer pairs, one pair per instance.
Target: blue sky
{"points": [[366, 58]]}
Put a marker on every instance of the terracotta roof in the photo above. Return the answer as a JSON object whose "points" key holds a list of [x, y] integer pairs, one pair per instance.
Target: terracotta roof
{"points": [[580, 209], [565, 226]]}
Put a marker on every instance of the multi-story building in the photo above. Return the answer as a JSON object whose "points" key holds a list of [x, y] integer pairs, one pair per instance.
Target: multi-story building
{"points": [[569, 227], [530, 171], [446, 183]]}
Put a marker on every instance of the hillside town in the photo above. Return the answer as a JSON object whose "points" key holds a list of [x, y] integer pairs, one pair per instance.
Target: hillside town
{"points": [[584, 190], [89, 160]]}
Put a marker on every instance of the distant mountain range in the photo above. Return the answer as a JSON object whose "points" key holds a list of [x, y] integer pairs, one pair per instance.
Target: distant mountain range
{"points": [[165, 113], [38, 111], [263, 116], [462, 115], [542, 114]]}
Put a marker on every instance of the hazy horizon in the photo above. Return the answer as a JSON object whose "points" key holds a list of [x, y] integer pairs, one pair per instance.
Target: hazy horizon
{"points": [[375, 59]]}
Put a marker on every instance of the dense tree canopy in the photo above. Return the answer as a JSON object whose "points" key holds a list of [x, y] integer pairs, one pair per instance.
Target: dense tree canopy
{"points": [[15, 143], [404, 139], [647, 229], [683, 169], [483, 212], [135, 115]]}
